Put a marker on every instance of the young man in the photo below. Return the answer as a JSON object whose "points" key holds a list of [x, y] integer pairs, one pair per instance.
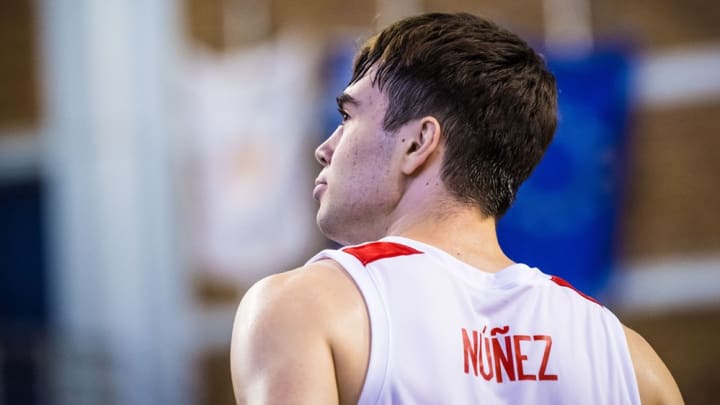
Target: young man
{"points": [[445, 116]]}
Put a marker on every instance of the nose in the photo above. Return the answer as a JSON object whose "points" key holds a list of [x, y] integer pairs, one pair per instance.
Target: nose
{"points": [[324, 152]]}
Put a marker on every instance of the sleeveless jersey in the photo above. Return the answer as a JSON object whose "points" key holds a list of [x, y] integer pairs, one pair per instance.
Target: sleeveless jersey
{"points": [[443, 332]]}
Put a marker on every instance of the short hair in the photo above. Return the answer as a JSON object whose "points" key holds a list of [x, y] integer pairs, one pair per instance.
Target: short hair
{"points": [[493, 95]]}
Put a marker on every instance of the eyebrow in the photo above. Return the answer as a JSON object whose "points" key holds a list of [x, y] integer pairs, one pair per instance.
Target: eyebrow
{"points": [[345, 98]]}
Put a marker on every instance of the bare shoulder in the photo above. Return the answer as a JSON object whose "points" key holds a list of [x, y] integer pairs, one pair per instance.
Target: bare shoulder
{"points": [[283, 333], [320, 287], [656, 384], [305, 285]]}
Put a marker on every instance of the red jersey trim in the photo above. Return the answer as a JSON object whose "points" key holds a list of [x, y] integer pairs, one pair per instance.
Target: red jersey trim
{"points": [[371, 252], [561, 282]]}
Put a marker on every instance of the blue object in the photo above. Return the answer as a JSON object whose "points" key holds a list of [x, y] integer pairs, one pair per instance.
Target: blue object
{"points": [[565, 217], [337, 73]]}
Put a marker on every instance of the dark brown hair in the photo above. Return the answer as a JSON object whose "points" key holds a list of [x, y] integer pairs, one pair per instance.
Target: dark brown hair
{"points": [[491, 92]]}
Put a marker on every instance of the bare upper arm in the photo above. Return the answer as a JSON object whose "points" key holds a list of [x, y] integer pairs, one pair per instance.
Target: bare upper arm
{"points": [[280, 352], [655, 383]]}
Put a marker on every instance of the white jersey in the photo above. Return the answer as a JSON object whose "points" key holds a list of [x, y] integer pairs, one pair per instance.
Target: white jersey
{"points": [[443, 332]]}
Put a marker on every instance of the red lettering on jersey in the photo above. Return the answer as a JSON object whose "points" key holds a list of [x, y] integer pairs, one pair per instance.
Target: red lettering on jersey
{"points": [[490, 356], [486, 374], [470, 351], [371, 252], [546, 355], [503, 358], [520, 357]]}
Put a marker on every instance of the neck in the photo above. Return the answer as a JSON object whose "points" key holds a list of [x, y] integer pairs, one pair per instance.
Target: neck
{"points": [[459, 229]]}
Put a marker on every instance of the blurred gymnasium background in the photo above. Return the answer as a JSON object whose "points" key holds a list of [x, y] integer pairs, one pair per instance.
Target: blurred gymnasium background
{"points": [[156, 159]]}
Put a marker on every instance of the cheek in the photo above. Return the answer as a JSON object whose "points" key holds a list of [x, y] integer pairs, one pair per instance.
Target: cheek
{"points": [[363, 159], [351, 158], [365, 166]]}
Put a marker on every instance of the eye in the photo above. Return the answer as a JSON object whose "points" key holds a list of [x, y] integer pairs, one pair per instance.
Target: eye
{"points": [[343, 114]]}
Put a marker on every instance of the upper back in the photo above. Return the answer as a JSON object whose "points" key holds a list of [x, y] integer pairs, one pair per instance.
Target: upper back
{"points": [[444, 332]]}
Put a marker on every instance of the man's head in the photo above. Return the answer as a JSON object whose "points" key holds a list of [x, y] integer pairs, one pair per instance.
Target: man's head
{"points": [[440, 107], [491, 93]]}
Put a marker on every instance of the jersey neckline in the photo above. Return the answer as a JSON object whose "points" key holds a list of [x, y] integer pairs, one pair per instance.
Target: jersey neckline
{"points": [[504, 278]]}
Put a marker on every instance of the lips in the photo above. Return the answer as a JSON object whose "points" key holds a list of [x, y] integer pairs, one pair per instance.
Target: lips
{"points": [[320, 186]]}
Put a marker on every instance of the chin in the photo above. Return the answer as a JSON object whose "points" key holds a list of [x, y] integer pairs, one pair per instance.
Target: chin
{"points": [[330, 234], [324, 226], [331, 230], [345, 228]]}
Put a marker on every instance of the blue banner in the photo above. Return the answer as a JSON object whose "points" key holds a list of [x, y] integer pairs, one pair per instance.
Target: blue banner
{"points": [[565, 218]]}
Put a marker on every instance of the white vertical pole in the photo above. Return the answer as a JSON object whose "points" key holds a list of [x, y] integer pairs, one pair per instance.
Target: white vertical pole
{"points": [[120, 287]]}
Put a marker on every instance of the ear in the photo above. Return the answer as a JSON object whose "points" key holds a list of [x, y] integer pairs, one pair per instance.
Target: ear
{"points": [[420, 144]]}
